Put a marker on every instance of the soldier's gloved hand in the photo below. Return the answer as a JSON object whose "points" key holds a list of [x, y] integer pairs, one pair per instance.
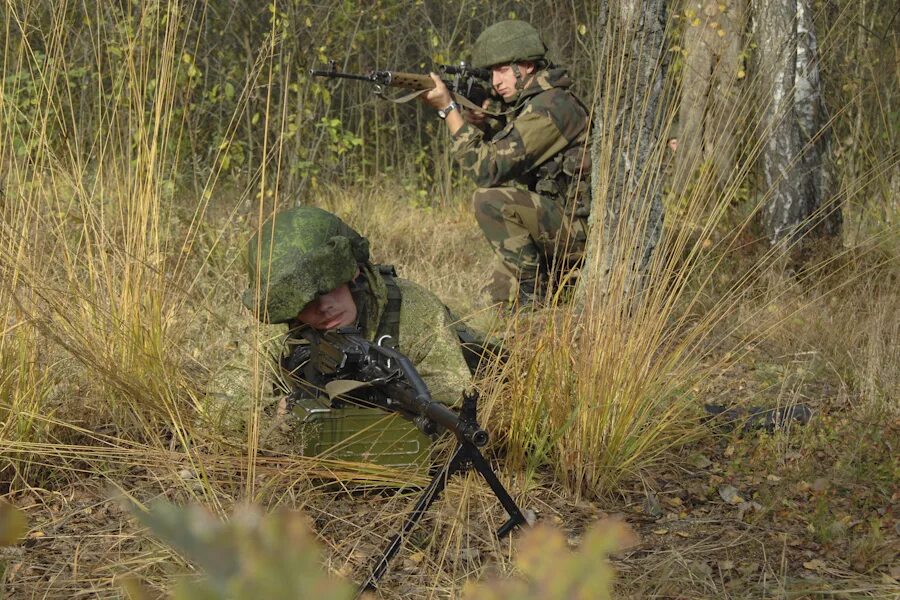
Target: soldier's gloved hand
{"points": [[477, 117], [298, 357]]}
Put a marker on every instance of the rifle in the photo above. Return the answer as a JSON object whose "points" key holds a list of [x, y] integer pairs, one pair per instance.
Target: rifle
{"points": [[466, 84], [374, 374]]}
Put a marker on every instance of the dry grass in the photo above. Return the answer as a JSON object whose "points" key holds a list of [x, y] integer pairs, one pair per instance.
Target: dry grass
{"points": [[127, 361]]}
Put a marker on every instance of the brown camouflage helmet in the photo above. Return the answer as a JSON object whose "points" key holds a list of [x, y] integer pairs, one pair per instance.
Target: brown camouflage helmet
{"points": [[507, 42], [296, 256]]}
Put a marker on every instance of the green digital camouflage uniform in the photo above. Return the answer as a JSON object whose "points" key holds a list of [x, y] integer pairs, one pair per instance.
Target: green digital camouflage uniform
{"points": [[313, 253], [426, 332], [533, 196]]}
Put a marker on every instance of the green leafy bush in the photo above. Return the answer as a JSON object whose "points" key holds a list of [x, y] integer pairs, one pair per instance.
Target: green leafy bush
{"points": [[248, 556]]}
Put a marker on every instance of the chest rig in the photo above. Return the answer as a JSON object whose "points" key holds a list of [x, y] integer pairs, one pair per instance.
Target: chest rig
{"points": [[389, 325], [566, 178]]}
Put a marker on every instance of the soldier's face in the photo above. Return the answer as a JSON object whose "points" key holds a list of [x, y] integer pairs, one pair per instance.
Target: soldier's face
{"points": [[503, 78], [330, 311]]}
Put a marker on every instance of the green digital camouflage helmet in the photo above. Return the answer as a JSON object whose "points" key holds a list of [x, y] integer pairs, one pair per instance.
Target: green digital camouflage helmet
{"points": [[296, 256], [507, 42]]}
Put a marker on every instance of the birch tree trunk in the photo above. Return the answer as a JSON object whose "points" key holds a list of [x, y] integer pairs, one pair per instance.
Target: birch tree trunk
{"points": [[627, 215], [794, 125]]}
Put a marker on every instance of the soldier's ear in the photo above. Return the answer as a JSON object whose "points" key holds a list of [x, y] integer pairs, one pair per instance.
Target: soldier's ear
{"points": [[528, 67]]}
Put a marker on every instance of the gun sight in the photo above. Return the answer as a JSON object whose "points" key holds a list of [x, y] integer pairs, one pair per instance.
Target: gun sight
{"points": [[466, 71]]}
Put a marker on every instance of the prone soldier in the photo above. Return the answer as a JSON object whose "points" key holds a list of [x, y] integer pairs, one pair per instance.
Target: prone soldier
{"points": [[310, 269]]}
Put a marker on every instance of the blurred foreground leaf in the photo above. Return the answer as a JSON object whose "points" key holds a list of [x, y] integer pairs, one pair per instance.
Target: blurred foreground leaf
{"points": [[250, 556], [12, 524], [550, 571]]}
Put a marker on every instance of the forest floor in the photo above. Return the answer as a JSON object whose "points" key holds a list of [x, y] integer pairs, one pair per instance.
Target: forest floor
{"points": [[808, 511], [805, 511]]}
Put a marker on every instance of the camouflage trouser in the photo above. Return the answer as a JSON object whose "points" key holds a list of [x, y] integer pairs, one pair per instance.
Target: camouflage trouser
{"points": [[532, 236]]}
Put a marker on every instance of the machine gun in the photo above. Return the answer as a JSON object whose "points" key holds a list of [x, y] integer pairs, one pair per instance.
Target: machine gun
{"points": [[468, 86], [356, 370]]}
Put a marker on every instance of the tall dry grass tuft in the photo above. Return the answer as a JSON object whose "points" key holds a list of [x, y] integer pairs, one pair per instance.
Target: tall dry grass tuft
{"points": [[601, 390], [87, 244]]}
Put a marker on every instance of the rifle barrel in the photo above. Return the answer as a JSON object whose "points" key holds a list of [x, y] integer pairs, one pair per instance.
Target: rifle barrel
{"points": [[339, 75]]}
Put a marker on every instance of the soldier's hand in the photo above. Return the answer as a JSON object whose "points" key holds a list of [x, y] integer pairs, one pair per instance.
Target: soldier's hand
{"points": [[298, 357], [439, 96], [477, 117]]}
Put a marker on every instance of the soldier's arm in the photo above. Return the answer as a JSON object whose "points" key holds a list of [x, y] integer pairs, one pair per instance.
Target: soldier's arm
{"points": [[438, 98], [532, 139], [427, 338]]}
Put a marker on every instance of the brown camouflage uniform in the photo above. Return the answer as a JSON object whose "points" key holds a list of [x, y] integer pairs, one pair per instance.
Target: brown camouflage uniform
{"points": [[533, 196]]}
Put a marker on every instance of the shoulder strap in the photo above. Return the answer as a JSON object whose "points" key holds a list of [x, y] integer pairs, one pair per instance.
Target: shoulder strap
{"points": [[390, 319]]}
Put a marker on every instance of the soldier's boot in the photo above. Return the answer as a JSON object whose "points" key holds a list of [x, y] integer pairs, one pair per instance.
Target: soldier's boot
{"points": [[527, 296], [531, 291]]}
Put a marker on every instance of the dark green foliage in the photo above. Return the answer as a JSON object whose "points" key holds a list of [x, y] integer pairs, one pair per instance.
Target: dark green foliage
{"points": [[239, 71]]}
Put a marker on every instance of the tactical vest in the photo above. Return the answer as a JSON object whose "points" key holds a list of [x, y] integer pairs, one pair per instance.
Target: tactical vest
{"points": [[567, 178], [389, 325]]}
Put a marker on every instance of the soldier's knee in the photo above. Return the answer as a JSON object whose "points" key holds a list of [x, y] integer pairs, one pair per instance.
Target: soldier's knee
{"points": [[487, 204], [483, 197]]}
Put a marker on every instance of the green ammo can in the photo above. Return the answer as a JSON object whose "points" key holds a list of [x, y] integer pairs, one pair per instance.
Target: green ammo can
{"points": [[358, 434]]}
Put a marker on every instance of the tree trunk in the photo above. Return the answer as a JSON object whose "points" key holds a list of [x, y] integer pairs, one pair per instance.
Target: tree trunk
{"points": [[627, 217], [793, 122], [707, 126]]}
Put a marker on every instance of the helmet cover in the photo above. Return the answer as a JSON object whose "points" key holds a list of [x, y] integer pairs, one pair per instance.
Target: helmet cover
{"points": [[507, 42], [296, 256]]}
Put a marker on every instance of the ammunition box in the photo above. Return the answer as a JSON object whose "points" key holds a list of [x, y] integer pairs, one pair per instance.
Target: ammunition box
{"points": [[358, 434]]}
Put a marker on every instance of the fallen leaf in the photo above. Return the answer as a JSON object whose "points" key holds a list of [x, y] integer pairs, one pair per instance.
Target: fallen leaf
{"points": [[651, 505], [700, 568], [815, 564], [660, 531], [12, 570], [726, 565], [729, 494], [699, 461], [469, 554], [745, 507], [820, 485]]}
